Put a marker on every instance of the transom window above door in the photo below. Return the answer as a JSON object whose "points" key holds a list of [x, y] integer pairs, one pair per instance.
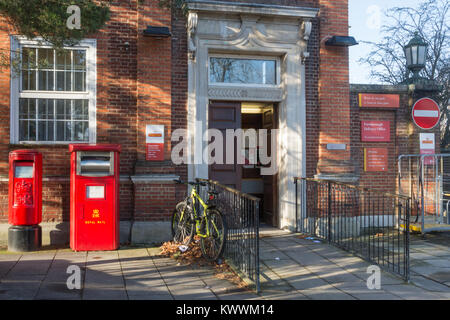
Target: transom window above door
{"points": [[239, 70]]}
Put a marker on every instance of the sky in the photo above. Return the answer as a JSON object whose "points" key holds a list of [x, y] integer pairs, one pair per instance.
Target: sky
{"points": [[365, 19]]}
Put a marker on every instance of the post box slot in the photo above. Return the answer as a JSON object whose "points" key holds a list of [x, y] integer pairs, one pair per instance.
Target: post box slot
{"points": [[23, 169], [96, 164]]}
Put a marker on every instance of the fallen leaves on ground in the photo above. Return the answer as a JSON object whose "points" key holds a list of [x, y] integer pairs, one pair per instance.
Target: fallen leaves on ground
{"points": [[193, 256]]}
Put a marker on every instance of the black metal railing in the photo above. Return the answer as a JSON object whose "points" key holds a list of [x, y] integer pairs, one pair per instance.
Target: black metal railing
{"points": [[241, 212], [371, 224]]}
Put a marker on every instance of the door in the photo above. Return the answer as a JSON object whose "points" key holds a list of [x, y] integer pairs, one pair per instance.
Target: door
{"points": [[226, 115], [270, 204]]}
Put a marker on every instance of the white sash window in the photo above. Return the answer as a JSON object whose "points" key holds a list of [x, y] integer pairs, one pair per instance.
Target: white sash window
{"points": [[53, 94]]}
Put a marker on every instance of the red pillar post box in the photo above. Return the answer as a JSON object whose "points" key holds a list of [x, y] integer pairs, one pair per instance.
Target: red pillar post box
{"points": [[25, 200], [94, 197]]}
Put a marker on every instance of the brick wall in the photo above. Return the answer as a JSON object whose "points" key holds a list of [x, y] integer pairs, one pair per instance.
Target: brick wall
{"points": [[398, 121], [312, 101], [133, 88], [334, 116]]}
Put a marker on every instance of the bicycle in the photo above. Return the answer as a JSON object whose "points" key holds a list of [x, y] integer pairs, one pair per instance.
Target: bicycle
{"points": [[209, 226]]}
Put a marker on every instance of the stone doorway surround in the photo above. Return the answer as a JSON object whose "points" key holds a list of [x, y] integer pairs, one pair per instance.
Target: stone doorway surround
{"points": [[232, 28]]}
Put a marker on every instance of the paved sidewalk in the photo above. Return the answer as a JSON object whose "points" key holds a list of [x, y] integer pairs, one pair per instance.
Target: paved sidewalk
{"points": [[128, 273], [294, 268], [291, 268], [430, 257]]}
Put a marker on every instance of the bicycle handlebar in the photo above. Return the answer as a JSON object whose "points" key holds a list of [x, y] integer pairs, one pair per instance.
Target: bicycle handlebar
{"points": [[192, 183]]}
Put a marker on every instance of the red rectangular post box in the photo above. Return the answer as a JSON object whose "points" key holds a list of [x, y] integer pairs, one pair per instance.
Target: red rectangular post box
{"points": [[94, 197], [25, 188]]}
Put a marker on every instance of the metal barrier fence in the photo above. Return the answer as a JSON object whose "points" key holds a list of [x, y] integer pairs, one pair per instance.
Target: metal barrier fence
{"points": [[369, 224], [241, 213], [426, 179]]}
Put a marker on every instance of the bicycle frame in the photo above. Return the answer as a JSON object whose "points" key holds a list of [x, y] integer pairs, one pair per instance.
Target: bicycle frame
{"points": [[196, 197]]}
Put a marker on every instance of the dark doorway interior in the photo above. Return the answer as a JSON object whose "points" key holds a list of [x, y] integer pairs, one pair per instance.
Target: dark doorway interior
{"points": [[247, 177], [261, 116]]}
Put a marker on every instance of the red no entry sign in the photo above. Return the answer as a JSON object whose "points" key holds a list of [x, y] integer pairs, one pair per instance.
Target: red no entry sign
{"points": [[425, 113]]}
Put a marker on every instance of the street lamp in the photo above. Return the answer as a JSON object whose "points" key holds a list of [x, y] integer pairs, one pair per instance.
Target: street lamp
{"points": [[416, 53]]}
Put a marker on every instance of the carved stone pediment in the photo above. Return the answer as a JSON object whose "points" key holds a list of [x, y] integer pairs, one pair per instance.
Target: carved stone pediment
{"points": [[249, 25]]}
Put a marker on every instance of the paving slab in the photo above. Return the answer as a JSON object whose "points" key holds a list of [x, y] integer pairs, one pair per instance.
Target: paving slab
{"points": [[57, 291], [440, 263], [96, 293], [6, 266], [220, 286], [410, 292], [326, 294], [375, 296], [155, 286], [308, 282], [240, 296], [291, 295], [149, 296], [428, 284], [199, 292], [19, 291], [30, 264]]}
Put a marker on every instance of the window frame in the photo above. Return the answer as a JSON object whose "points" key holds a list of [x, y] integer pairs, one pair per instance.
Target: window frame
{"points": [[246, 57], [90, 46]]}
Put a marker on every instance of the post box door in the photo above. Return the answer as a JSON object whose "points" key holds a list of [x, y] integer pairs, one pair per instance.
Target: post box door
{"points": [[23, 184]]}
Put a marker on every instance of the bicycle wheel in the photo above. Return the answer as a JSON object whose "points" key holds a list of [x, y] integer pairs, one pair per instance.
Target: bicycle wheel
{"points": [[212, 246], [182, 224]]}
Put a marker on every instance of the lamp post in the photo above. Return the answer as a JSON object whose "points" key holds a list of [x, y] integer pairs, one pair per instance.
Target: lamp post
{"points": [[416, 53]]}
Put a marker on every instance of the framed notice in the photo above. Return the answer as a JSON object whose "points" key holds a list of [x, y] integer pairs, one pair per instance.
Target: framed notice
{"points": [[375, 159], [154, 139], [427, 146], [375, 131], [378, 100]]}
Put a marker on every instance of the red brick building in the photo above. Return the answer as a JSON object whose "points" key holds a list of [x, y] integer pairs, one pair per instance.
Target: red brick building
{"points": [[114, 84]]}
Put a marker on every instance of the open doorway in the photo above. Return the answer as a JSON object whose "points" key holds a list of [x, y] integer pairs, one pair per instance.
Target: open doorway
{"points": [[247, 177], [260, 116]]}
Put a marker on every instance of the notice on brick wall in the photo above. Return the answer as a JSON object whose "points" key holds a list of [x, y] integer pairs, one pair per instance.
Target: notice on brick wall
{"points": [[375, 131], [375, 159], [378, 100], [427, 146], [154, 139]]}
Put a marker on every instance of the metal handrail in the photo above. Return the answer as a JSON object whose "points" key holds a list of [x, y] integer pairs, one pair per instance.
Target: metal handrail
{"points": [[353, 186], [241, 213], [235, 191], [371, 224]]}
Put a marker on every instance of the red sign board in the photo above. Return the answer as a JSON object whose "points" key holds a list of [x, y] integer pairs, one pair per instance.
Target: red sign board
{"points": [[426, 113], [375, 159], [427, 160], [155, 152], [154, 142], [378, 100], [375, 131]]}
